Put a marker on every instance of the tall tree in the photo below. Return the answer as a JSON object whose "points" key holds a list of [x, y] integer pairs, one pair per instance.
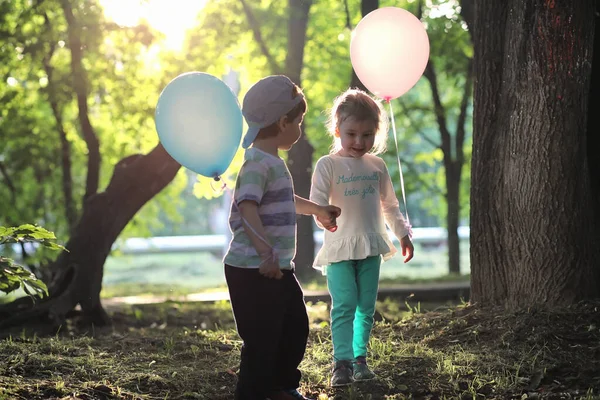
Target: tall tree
{"points": [[451, 119], [452, 143], [76, 275], [300, 156], [533, 237], [366, 6], [593, 124]]}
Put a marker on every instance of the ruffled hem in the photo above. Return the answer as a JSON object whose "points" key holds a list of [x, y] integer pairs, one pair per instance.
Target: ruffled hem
{"points": [[355, 248]]}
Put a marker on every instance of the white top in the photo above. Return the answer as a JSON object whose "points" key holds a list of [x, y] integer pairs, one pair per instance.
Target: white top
{"points": [[362, 188]]}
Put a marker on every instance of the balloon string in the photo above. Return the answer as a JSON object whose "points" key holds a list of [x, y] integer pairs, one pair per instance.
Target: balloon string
{"points": [[399, 165]]}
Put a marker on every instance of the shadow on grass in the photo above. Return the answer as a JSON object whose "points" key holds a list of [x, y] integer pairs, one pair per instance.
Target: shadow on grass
{"points": [[191, 351]]}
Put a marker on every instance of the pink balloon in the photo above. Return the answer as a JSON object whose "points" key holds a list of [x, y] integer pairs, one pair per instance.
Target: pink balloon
{"points": [[389, 50]]}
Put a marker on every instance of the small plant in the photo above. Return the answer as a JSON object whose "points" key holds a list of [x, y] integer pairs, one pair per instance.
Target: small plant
{"points": [[412, 309], [169, 345], [14, 276]]}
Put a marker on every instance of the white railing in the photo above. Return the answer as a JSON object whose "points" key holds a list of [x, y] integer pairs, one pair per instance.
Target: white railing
{"points": [[199, 243], [174, 244]]}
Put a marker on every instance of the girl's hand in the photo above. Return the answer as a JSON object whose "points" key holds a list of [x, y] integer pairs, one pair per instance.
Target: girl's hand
{"points": [[407, 248], [327, 216]]}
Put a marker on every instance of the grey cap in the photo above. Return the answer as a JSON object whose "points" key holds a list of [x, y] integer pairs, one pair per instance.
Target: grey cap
{"points": [[267, 100]]}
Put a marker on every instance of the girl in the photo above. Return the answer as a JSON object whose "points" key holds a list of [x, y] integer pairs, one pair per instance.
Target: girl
{"points": [[356, 180]]}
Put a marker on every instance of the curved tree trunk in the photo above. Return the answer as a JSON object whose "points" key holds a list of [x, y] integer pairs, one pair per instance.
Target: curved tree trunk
{"points": [[532, 232], [78, 279]]}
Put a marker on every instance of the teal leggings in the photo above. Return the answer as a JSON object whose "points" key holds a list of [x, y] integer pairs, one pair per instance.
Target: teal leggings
{"points": [[353, 287]]}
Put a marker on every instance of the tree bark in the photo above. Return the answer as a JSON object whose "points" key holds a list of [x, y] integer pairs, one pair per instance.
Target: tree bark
{"points": [[65, 146], [532, 231], [366, 6], [136, 179], [301, 155], [453, 159], [593, 127], [80, 87]]}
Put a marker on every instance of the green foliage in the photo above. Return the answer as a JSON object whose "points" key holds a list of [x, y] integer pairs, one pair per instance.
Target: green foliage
{"points": [[126, 68], [123, 84], [14, 276]]}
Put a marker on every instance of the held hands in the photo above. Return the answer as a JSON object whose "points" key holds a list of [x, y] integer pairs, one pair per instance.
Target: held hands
{"points": [[269, 266], [327, 216], [407, 248]]}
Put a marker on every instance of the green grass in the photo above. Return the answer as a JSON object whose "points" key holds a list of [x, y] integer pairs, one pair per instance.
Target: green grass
{"points": [[173, 275], [191, 351], [176, 274]]}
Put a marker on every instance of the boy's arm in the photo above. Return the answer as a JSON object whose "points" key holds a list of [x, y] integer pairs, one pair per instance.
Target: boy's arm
{"points": [[319, 193], [306, 207], [258, 237], [250, 188], [326, 215], [253, 226]]}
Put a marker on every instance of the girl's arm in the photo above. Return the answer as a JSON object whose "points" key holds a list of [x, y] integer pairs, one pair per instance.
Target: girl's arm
{"points": [[393, 216]]}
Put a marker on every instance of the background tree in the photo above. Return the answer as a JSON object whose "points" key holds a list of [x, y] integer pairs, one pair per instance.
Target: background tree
{"points": [[78, 152], [533, 237], [75, 277], [300, 156], [436, 165]]}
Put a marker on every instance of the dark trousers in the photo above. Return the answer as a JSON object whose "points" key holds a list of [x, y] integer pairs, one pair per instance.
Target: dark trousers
{"points": [[270, 316]]}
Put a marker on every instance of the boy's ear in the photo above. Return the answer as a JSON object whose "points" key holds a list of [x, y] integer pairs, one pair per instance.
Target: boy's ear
{"points": [[282, 122], [337, 132]]}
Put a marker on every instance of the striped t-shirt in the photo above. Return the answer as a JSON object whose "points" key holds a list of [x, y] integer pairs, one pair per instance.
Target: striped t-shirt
{"points": [[264, 179]]}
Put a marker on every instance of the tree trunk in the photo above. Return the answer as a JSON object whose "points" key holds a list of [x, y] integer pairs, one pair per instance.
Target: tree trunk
{"points": [[300, 156], [80, 87], [593, 127], [532, 233], [366, 6], [453, 216], [65, 146], [78, 279], [453, 151]]}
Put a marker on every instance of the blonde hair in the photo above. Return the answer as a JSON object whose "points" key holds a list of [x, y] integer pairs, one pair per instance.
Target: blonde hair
{"points": [[362, 107]]}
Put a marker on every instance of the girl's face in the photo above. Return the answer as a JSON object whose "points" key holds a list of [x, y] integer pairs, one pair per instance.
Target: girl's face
{"points": [[357, 137]]}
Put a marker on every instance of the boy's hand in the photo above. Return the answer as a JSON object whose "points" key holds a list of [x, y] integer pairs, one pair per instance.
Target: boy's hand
{"points": [[269, 267], [407, 248], [327, 216]]}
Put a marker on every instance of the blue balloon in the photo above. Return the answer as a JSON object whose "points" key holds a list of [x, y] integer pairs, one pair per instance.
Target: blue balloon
{"points": [[199, 123]]}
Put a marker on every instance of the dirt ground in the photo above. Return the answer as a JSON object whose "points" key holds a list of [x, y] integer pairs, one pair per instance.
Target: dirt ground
{"points": [[191, 351]]}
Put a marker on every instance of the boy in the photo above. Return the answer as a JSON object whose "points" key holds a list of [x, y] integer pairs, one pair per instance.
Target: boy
{"points": [[267, 300]]}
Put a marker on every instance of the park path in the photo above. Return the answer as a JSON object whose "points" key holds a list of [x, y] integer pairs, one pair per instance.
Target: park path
{"points": [[426, 292]]}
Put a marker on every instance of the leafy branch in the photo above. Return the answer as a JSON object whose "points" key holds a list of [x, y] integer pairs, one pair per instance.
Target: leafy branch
{"points": [[14, 276], [255, 26]]}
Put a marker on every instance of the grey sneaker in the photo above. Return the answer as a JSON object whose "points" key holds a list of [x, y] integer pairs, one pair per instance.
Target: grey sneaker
{"points": [[342, 373], [361, 370]]}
